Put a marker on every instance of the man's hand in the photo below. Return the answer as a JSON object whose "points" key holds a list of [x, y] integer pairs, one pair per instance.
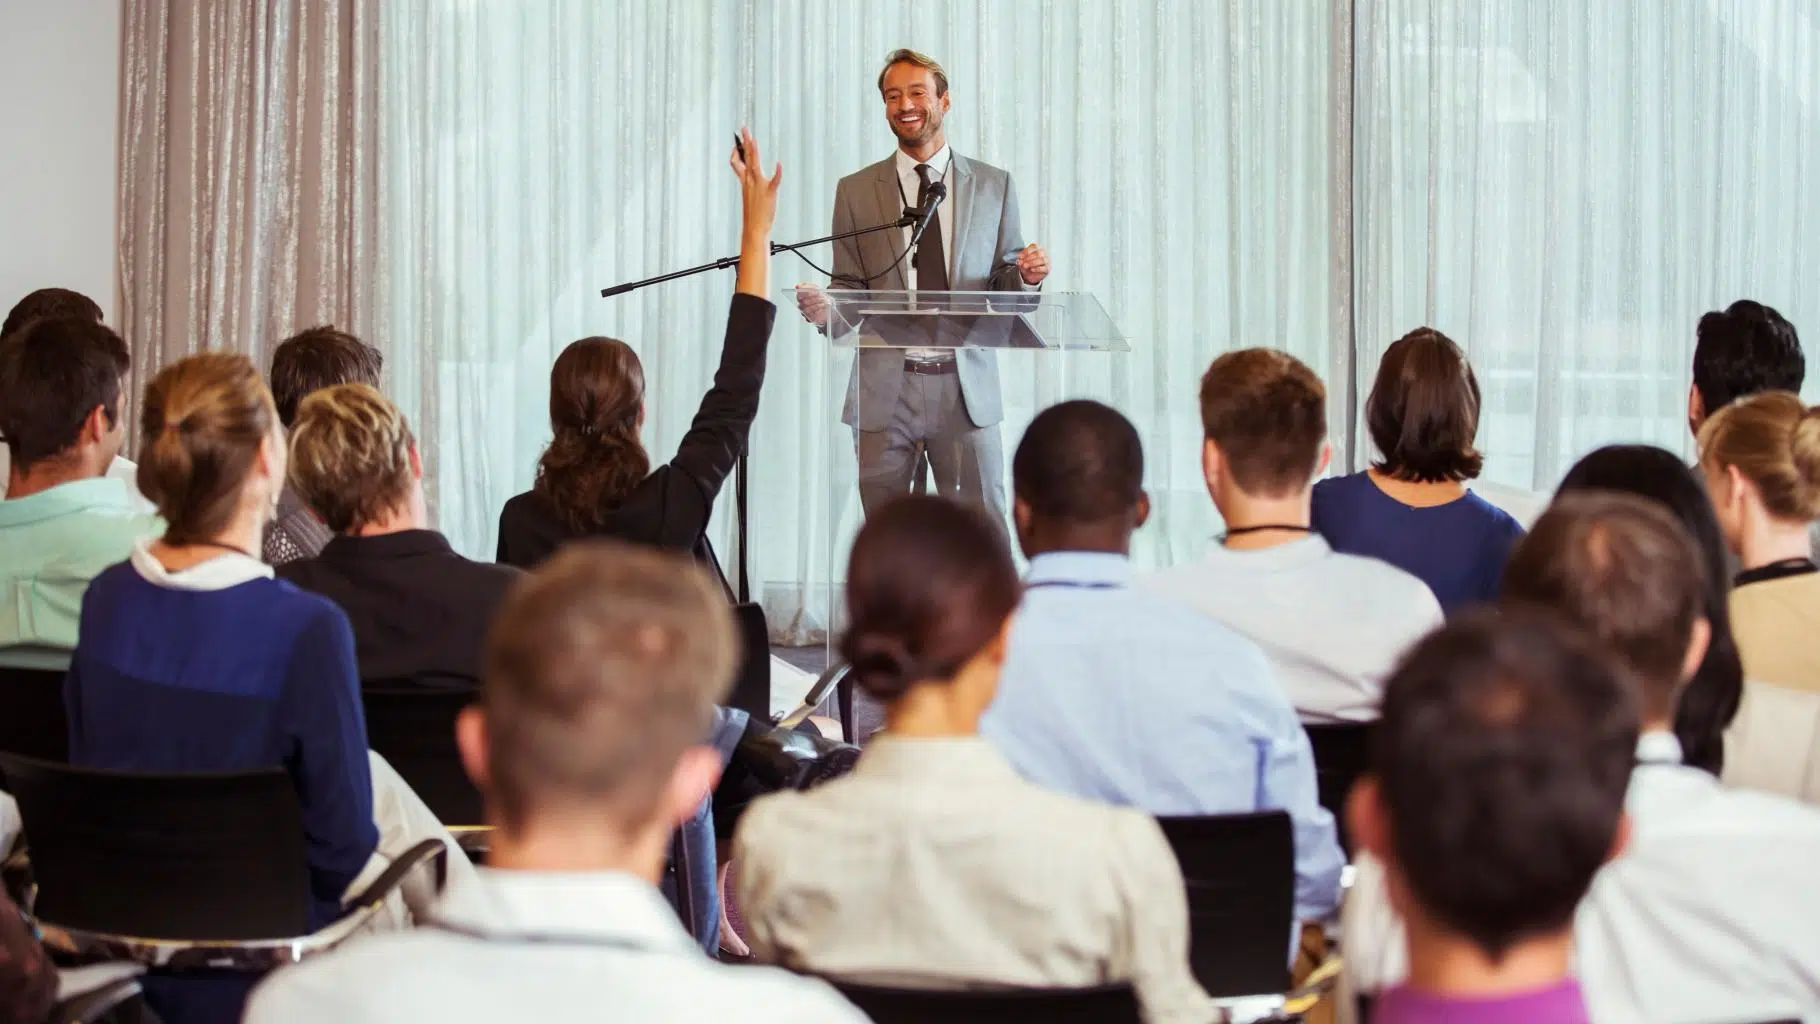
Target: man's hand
{"points": [[1033, 264], [813, 303]]}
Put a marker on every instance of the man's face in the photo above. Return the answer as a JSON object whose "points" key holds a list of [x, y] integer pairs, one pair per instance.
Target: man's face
{"points": [[912, 107]]}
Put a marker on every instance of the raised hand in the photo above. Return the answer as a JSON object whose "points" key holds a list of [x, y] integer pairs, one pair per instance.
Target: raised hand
{"points": [[757, 193]]}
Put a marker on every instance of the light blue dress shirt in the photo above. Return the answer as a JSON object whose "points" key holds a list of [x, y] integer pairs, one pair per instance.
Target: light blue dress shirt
{"points": [[1125, 696]]}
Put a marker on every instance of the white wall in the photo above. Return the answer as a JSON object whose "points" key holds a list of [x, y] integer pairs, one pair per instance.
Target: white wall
{"points": [[59, 107]]}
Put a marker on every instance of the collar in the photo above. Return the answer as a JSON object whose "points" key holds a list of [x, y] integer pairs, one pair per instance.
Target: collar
{"points": [[1079, 567], [403, 544], [100, 493], [610, 906], [228, 569], [945, 761], [1293, 555], [906, 164], [1776, 571], [1658, 746]]}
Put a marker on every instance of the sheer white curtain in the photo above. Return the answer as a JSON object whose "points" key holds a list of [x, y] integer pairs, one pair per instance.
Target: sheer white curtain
{"points": [[1175, 158], [1565, 187]]}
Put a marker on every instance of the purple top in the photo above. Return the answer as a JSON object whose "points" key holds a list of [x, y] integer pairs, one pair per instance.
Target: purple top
{"points": [[1559, 1004]]}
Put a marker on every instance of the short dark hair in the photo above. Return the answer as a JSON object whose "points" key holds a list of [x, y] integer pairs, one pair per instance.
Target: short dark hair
{"points": [[930, 582], [50, 302], [53, 373], [602, 667], [1710, 700], [1079, 462], [904, 55], [1627, 572], [1502, 757], [1423, 411], [1268, 413], [317, 358], [1743, 350]]}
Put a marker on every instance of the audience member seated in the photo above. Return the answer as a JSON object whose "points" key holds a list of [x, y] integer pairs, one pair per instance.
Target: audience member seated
{"points": [[1126, 697], [933, 864], [1761, 457], [1709, 701], [53, 304], [192, 658], [1333, 625], [1707, 916], [420, 611], [64, 520], [596, 479], [1515, 724], [303, 364], [28, 982], [1745, 350], [1412, 508], [601, 671]]}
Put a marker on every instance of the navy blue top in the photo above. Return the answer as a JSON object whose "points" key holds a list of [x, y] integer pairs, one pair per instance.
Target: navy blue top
{"points": [[255, 675], [1458, 549]]}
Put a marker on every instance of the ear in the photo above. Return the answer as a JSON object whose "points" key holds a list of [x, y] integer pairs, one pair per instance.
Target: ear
{"points": [[947, 101], [1365, 818], [1213, 463], [94, 427], [641, 415], [1697, 643], [1735, 484], [1320, 468], [416, 462], [1143, 511], [1620, 840], [476, 752], [1696, 409], [272, 456], [1022, 517], [1000, 645], [691, 781]]}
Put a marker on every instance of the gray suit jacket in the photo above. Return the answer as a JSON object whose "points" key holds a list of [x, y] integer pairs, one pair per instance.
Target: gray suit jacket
{"points": [[986, 228]]}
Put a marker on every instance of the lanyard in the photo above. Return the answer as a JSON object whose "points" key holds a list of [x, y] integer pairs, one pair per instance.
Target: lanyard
{"points": [[1260, 528], [899, 180], [1073, 585]]}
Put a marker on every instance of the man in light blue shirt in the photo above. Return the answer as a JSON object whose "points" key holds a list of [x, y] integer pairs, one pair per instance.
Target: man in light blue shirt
{"points": [[64, 519], [1126, 696]]}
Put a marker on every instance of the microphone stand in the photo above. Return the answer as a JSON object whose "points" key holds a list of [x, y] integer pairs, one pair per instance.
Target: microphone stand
{"points": [[909, 219]]}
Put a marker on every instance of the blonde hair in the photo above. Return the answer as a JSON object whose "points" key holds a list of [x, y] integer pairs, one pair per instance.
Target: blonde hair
{"points": [[351, 455], [921, 60], [602, 667], [1774, 440], [202, 421]]}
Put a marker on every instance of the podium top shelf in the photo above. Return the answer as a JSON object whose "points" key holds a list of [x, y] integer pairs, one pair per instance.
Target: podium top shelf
{"points": [[1046, 320]]}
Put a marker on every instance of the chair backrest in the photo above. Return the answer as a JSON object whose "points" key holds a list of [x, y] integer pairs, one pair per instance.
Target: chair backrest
{"points": [[1240, 873], [752, 685], [33, 722], [164, 856], [1109, 1004], [413, 728], [1342, 753]]}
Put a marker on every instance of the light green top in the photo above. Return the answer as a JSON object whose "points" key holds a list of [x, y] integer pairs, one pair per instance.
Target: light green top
{"points": [[51, 544]]}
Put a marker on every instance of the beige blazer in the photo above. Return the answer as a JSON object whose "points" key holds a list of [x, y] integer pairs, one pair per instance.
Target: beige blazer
{"points": [[1773, 746], [1776, 623], [933, 864]]}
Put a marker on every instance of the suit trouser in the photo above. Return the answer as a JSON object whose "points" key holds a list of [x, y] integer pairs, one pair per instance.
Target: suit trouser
{"points": [[930, 419]]}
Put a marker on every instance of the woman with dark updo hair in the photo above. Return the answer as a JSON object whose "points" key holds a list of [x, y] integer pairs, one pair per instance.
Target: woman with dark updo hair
{"points": [[934, 864]]}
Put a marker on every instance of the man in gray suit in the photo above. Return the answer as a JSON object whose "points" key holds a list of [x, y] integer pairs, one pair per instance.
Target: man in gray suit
{"points": [[908, 404]]}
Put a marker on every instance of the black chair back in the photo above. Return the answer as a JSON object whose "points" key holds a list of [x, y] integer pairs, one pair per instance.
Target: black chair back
{"points": [[1240, 873], [752, 686], [33, 722], [413, 728], [1109, 1004], [164, 856], [1342, 753]]}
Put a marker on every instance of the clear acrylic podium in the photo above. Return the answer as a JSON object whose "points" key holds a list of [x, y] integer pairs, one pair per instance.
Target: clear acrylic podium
{"points": [[930, 392]]}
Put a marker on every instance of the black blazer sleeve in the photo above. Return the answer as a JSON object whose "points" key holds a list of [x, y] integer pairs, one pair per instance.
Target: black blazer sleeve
{"points": [[724, 421]]}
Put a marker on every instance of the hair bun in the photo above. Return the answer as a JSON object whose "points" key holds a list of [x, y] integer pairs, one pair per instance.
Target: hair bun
{"points": [[1804, 451], [881, 665]]}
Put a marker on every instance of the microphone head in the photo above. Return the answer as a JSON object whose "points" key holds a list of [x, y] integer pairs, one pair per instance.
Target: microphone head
{"points": [[938, 190]]}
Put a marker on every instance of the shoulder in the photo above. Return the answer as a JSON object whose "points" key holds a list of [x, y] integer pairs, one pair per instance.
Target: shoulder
{"points": [[1395, 594], [981, 169], [1339, 486], [865, 175], [370, 980], [792, 996]]}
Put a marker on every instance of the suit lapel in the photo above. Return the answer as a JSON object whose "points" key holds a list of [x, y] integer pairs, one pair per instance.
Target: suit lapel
{"points": [[963, 213], [890, 207]]}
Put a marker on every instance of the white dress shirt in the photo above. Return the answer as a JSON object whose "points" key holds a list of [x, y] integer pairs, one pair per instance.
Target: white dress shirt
{"points": [[1709, 915], [542, 946], [933, 864], [1332, 625], [911, 183]]}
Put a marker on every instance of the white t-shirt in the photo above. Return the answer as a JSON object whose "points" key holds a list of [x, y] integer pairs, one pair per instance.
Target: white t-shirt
{"points": [[119, 469], [1333, 625]]}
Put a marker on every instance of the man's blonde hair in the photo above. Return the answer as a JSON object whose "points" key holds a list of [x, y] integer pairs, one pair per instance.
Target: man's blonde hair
{"points": [[602, 667], [351, 455], [921, 60]]}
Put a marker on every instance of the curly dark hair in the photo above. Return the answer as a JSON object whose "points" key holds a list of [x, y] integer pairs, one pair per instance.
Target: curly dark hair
{"points": [[595, 458]]}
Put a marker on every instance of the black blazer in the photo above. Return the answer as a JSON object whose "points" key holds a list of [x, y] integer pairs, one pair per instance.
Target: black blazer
{"points": [[670, 508], [420, 611]]}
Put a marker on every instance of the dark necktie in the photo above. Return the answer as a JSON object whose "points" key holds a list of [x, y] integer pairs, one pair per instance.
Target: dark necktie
{"points": [[931, 261]]}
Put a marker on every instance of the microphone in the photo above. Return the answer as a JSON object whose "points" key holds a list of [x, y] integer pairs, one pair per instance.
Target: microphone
{"points": [[938, 191]]}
